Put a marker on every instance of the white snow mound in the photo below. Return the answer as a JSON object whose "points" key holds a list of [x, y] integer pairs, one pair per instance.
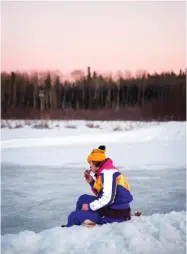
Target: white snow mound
{"points": [[159, 233]]}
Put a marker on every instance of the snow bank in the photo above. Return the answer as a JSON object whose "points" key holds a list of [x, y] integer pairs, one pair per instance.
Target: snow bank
{"points": [[83, 136], [159, 233], [152, 146]]}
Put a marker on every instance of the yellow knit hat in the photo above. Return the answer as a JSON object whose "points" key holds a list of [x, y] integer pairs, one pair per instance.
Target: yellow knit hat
{"points": [[98, 154]]}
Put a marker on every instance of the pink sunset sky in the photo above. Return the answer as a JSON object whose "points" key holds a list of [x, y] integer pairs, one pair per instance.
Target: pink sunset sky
{"points": [[108, 36]]}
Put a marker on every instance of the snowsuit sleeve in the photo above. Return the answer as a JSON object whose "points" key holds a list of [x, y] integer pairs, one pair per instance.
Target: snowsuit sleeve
{"points": [[109, 191]]}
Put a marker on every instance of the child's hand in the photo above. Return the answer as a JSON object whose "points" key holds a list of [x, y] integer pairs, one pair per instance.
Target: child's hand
{"points": [[85, 207], [87, 176]]}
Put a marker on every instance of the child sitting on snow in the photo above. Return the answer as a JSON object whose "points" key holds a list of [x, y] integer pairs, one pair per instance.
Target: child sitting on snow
{"points": [[111, 203]]}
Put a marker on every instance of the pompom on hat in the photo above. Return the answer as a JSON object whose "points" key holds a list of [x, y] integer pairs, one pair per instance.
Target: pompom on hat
{"points": [[97, 154]]}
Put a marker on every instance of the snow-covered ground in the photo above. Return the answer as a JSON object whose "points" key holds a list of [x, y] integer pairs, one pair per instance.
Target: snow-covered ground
{"points": [[42, 177]]}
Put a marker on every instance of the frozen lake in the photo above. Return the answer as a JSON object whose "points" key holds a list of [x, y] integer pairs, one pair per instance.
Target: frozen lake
{"points": [[42, 177], [41, 198]]}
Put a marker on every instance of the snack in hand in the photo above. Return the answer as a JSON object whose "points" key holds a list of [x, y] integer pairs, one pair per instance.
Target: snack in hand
{"points": [[87, 173]]}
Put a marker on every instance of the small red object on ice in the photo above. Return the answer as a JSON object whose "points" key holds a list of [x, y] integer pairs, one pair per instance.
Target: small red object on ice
{"points": [[137, 213]]}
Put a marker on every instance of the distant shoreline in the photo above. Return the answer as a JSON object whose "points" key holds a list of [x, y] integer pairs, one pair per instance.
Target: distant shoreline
{"points": [[125, 114]]}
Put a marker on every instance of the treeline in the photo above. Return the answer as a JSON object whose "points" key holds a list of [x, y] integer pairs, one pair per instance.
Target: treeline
{"points": [[166, 92]]}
